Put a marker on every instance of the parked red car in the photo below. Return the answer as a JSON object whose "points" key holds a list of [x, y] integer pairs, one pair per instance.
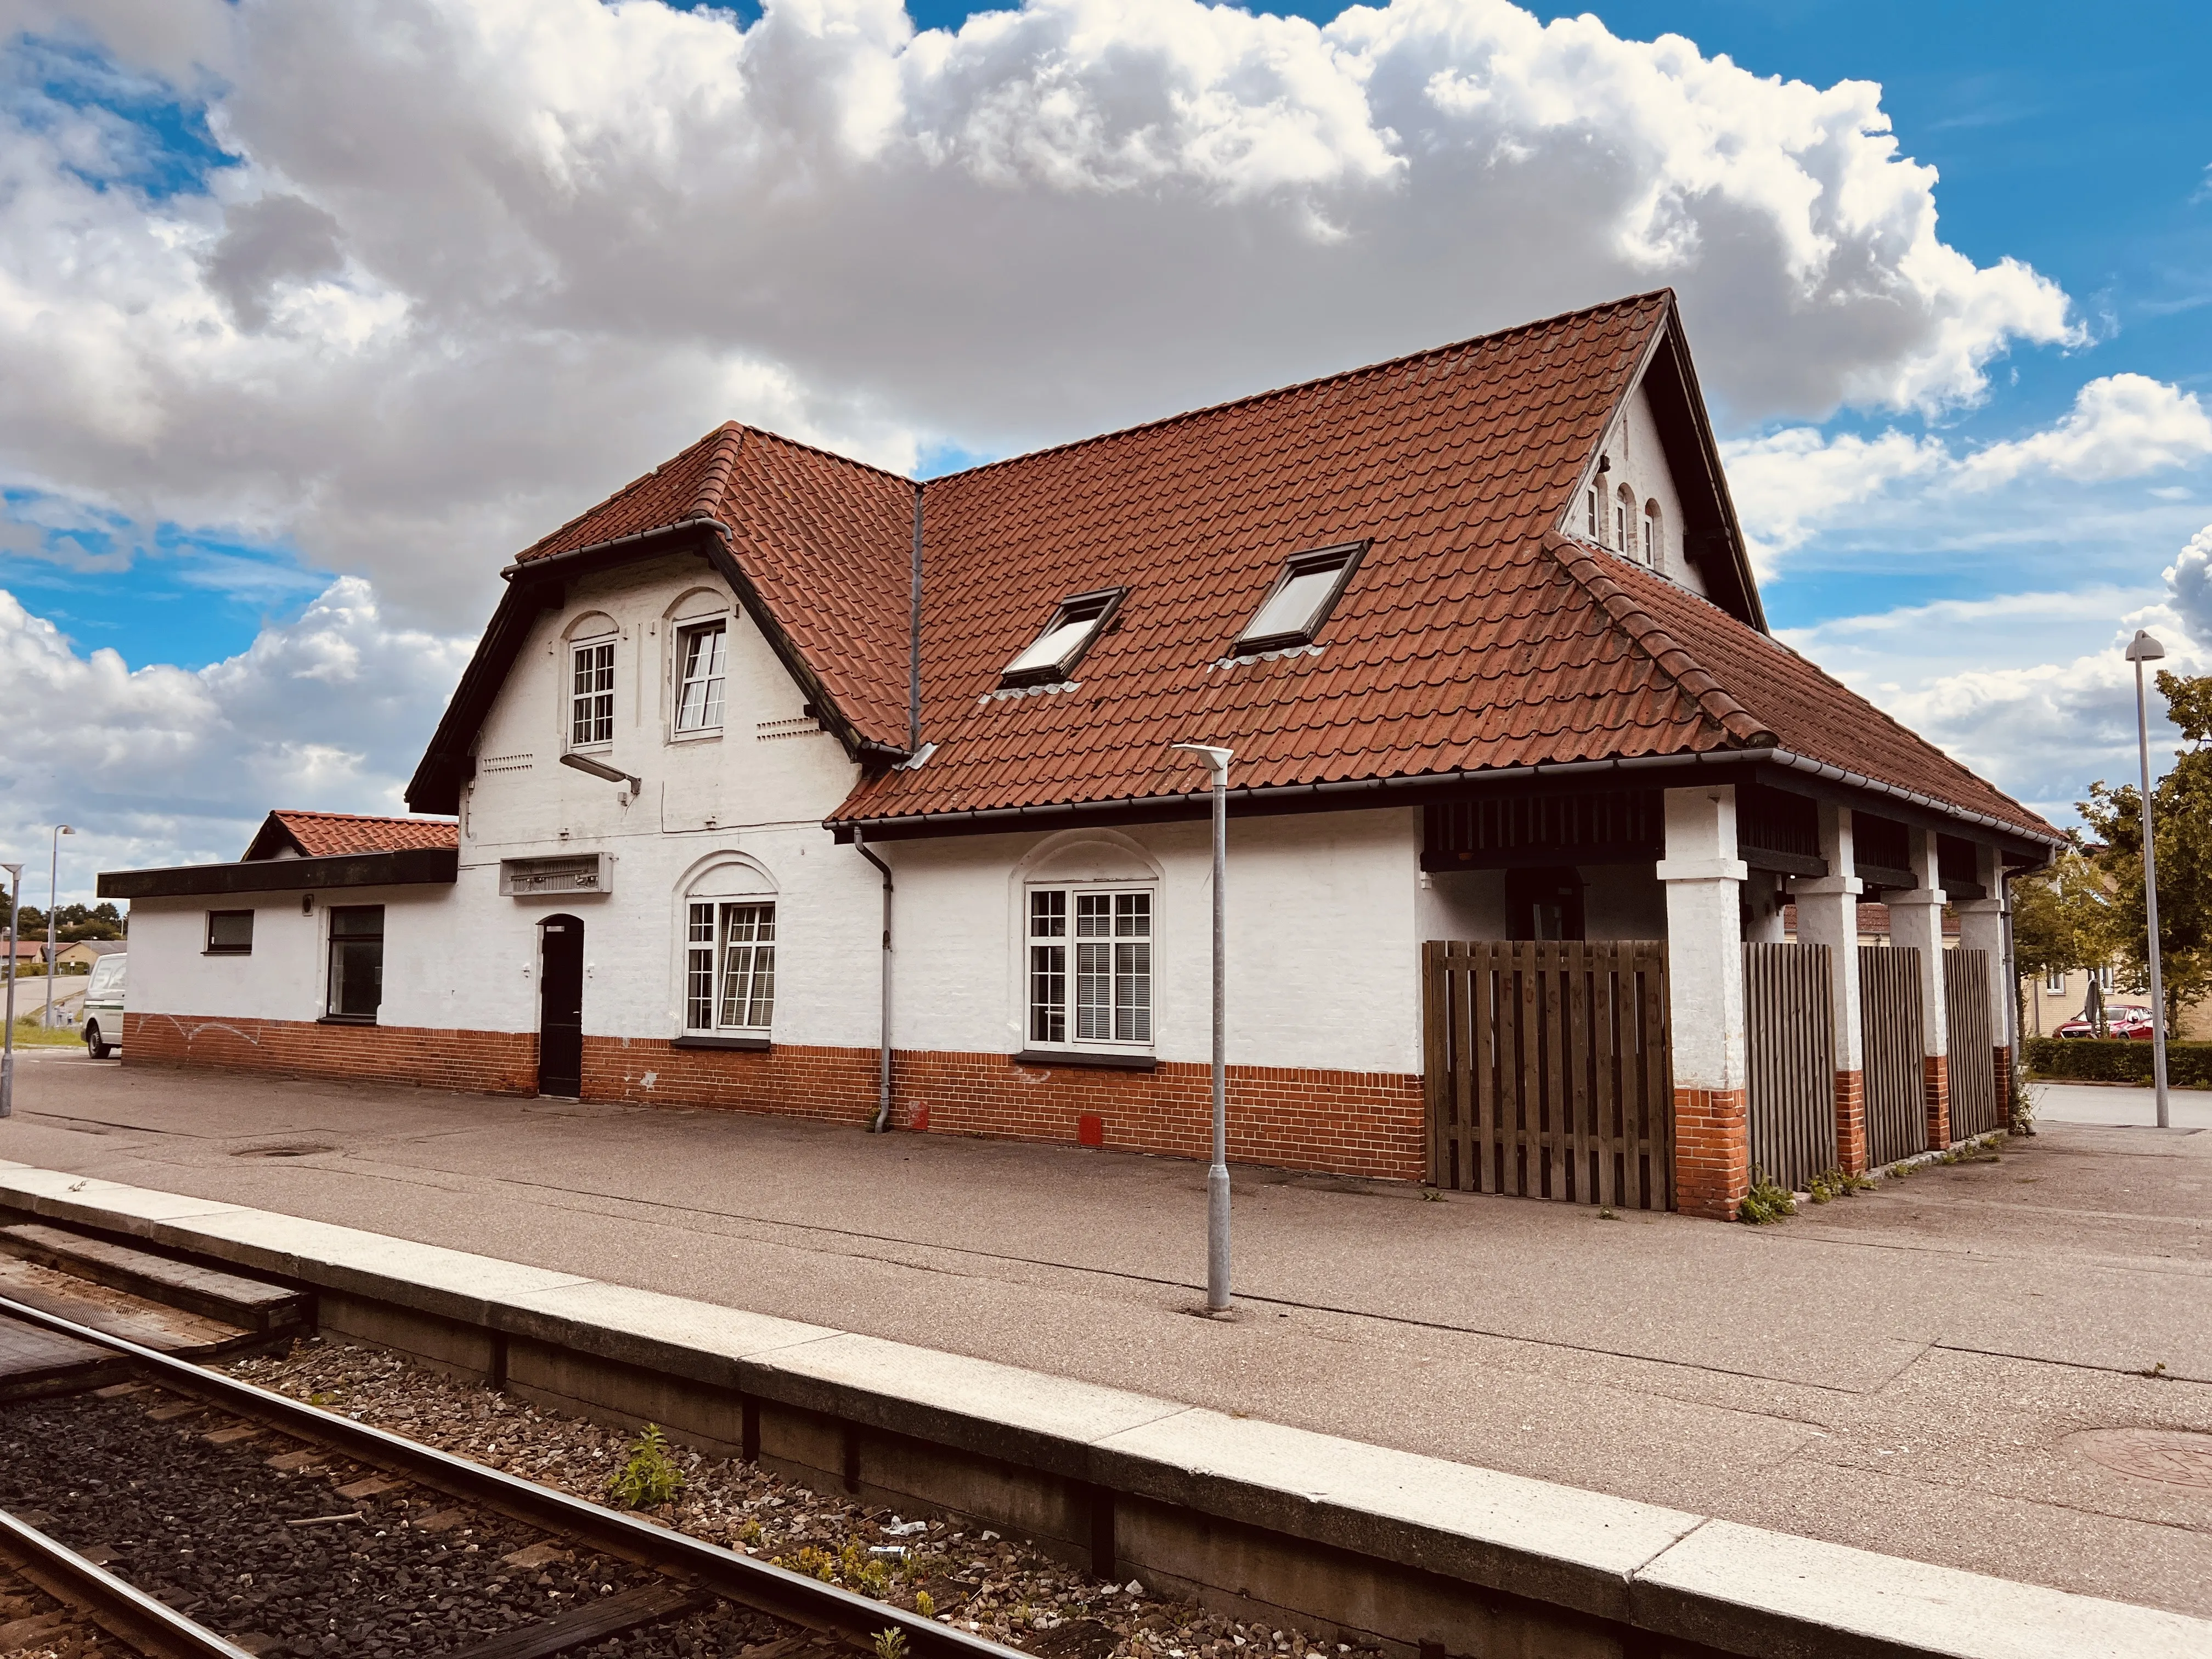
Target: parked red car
{"points": [[2121, 1019]]}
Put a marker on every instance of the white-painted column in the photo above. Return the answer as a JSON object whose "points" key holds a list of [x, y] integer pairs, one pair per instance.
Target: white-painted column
{"points": [[1703, 880], [1916, 922], [1828, 913], [1982, 928]]}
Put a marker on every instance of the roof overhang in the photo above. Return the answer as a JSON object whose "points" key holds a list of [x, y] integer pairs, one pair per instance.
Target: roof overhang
{"points": [[413, 866], [1775, 769], [536, 585]]}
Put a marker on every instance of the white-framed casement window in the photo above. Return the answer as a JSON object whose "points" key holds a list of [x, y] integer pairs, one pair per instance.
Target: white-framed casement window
{"points": [[1090, 967], [1624, 521], [2054, 983], [2103, 976], [729, 968], [592, 693], [701, 652], [1651, 534], [1593, 529]]}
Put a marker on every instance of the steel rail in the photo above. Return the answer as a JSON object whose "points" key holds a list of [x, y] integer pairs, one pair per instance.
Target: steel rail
{"points": [[121, 1610], [792, 1596]]}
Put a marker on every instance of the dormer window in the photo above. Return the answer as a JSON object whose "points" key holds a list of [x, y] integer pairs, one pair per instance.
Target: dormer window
{"points": [[1053, 655], [1304, 595]]}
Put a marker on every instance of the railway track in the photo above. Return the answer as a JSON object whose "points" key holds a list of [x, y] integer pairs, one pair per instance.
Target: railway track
{"points": [[581, 1577]]}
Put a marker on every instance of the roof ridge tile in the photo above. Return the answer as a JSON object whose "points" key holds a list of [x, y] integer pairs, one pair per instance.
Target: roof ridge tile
{"points": [[1743, 729]]}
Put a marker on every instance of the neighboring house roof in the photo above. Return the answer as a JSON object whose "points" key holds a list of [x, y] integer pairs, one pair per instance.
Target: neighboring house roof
{"points": [[1473, 636], [95, 947], [323, 835]]}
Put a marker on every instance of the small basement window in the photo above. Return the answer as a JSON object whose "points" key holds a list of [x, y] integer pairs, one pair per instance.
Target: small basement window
{"points": [[230, 933], [1054, 652], [1302, 598]]}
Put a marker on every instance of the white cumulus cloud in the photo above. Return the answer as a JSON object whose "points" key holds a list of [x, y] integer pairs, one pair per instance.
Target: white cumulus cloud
{"points": [[162, 765], [479, 260], [1789, 484]]}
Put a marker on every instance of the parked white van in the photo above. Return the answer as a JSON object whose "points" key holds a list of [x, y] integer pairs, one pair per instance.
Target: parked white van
{"points": [[103, 1007]]}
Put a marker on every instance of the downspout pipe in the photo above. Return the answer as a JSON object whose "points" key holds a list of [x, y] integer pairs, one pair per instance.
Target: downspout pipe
{"points": [[883, 1043]]}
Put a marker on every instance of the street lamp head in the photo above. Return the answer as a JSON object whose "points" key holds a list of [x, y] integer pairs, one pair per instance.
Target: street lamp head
{"points": [[1216, 756], [2144, 648], [64, 829]]}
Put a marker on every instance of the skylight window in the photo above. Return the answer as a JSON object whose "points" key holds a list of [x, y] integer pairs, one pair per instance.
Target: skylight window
{"points": [[1054, 652], [1303, 597]]}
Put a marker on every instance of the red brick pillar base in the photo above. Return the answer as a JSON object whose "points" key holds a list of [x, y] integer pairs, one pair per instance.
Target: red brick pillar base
{"points": [[1936, 1094], [1850, 1122], [2001, 1058], [1712, 1151]]}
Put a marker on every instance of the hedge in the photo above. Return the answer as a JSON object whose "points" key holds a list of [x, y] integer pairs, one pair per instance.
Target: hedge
{"points": [[2118, 1060]]}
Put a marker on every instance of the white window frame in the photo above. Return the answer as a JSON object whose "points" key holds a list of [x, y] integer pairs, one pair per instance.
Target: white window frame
{"points": [[1126, 1019], [1624, 521], [1653, 543], [716, 696], [2103, 977], [716, 964], [1590, 510], [575, 697], [2054, 983]]}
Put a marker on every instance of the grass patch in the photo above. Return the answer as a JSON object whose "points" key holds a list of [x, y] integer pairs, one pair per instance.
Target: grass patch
{"points": [[1831, 1184]]}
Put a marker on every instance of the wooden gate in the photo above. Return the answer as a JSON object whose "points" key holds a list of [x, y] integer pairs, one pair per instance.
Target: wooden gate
{"points": [[1889, 1033], [1548, 1070], [1973, 1059], [1789, 1021]]}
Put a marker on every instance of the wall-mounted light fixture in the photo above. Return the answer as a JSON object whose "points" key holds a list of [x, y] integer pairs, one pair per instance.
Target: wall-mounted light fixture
{"points": [[607, 774]]}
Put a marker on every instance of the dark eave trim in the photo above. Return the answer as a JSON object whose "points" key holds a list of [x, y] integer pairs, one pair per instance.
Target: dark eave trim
{"points": [[1649, 771], [1676, 343], [412, 866]]}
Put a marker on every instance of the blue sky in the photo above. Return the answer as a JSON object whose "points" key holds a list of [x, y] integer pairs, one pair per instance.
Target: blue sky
{"points": [[305, 296]]}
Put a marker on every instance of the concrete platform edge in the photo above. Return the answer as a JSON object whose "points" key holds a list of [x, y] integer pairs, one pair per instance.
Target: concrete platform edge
{"points": [[1715, 1586]]}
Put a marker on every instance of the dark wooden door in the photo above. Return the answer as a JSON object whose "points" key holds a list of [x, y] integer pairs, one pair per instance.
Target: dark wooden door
{"points": [[561, 1006]]}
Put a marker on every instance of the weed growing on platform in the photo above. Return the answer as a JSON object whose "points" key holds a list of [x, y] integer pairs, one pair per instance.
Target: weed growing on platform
{"points": [[651, 1478], [890, 1645], [1831, 1184], [1765, 1202]]}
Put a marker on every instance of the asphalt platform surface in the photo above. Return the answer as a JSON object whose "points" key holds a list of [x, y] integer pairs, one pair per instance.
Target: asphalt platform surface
{"points": [[1935, 1370]]}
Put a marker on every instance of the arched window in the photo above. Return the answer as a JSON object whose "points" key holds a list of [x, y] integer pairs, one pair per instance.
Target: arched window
{"points": [[1589, 506], [729, 953], [1652, 544], [1624, 521]]}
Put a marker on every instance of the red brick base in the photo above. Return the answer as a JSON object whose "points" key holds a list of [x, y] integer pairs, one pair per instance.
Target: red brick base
{"points": [[2001, 1058], [1712, 1151], [485, 1062], [1936, 1095], [1363, 1123], [1850, 1122]]}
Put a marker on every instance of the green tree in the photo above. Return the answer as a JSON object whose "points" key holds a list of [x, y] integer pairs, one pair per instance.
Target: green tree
{"points": [[2062, 921], [2183, 809]]}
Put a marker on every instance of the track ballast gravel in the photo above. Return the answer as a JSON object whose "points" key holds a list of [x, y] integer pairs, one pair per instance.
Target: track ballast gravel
{"points": [[972, 1579], [281, 1563]]}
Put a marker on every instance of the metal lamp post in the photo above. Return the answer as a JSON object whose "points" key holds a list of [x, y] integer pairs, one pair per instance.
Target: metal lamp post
{"points": [[2142, 649], [1217, 1175], [53, 898], [7, 1029]]}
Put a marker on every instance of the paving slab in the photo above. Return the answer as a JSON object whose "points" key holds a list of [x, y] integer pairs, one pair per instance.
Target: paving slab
{"points": [[1904, 1371]]}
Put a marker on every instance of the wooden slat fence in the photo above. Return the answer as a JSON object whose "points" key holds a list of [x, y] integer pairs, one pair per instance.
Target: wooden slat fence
{"points": [[1973, 1059], [1889, 1032], [1789, 1021], [1547, 1072]]}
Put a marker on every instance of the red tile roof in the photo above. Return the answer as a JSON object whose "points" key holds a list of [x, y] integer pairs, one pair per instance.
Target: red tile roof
{"points": [[827, 542], [323, 835], [1473, 635]]}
